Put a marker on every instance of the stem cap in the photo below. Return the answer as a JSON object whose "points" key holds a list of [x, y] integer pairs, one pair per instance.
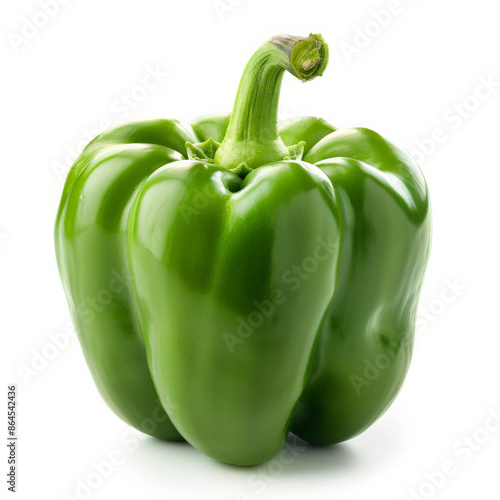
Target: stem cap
{"points": [[308, 56]]}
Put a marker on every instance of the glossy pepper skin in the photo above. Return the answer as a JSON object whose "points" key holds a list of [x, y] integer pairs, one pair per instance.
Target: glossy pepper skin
{"points": [[232, 279]]}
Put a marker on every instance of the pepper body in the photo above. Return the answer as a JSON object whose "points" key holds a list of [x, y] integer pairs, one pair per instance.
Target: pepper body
{"points": [[227, 294], [91, 247], [366, 341]]}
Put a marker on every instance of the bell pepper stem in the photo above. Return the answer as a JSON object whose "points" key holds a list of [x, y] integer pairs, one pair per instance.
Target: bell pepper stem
{"points": [[252, 135]]}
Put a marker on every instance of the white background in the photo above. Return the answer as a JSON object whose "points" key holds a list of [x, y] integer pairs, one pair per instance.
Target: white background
{"points": [[410, 75]]}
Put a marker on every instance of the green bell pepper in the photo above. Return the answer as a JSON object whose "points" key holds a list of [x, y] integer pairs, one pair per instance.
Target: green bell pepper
{"points": [[234, 278]]}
